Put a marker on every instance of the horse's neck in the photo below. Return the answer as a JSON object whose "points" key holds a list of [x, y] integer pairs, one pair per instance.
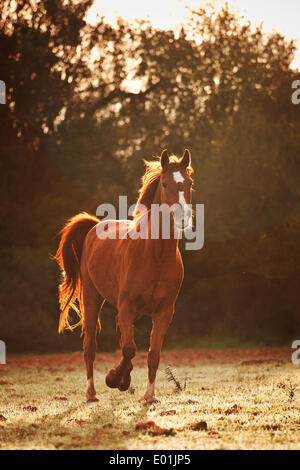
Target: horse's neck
{"points": [[161, 248], [157, 195]]}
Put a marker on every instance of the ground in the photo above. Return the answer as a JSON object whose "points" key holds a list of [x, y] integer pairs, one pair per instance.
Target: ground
{"points": [[232, 399]]}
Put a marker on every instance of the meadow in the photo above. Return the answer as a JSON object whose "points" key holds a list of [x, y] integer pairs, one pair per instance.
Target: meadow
{"points": [[219, 399]]}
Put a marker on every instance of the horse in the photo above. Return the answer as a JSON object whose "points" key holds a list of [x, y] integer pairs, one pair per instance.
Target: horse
{"points": [[138, 276]]}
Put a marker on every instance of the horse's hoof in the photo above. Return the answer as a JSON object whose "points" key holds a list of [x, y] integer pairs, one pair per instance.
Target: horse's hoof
{"points": [[149, 400], [124, 385], [112, 380], [92, 399], [90, 394]]}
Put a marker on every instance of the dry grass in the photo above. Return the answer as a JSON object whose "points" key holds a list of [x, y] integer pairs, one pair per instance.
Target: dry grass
{"points": [[243, 396]]}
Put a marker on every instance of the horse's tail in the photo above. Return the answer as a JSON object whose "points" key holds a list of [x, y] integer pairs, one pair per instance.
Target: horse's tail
{"points": [[68, 257]]}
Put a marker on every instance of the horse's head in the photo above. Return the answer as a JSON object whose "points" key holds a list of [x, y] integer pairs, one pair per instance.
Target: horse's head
{"points": [[176, 187]]}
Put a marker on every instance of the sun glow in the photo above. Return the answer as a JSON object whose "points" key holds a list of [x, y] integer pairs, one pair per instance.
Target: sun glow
{"points": [[274, 14]]}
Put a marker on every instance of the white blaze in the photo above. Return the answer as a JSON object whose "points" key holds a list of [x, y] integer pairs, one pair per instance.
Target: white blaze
{"points": [[187, 213], [178, 178], [182, 200]]}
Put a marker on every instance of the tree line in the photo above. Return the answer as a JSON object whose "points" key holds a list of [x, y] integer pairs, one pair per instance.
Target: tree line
{"points": [[86, 103]]}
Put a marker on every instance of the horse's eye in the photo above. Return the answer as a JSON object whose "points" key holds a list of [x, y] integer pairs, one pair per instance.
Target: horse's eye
{"points": [[164, 185]]}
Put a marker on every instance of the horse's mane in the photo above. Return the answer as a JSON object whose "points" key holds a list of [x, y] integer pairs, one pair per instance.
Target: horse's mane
{"points": [[150, 181]]}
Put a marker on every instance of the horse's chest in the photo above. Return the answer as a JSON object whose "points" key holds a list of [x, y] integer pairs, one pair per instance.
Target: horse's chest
{"points": [[155, 289]]}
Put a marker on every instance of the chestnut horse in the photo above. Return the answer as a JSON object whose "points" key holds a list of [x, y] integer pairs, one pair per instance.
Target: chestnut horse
{"points": [[138, 276]]}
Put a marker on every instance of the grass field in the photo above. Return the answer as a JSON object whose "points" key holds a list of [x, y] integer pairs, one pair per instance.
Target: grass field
{"points": [[231, 399]]}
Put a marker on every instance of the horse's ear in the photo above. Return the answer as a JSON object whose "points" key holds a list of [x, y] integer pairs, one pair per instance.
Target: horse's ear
{"points": [[164, 158], [186, 158]]}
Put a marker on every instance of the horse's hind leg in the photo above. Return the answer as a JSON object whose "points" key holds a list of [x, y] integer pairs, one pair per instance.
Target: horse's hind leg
{"points": [[160, 326], [120, 376], [92, 302]]}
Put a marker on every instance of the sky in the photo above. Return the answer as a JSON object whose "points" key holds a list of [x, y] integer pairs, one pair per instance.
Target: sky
{"points": [[280, 15]]}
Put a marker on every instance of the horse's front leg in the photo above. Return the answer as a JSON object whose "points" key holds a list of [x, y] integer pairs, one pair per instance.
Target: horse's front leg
{"points": [[160, 326], [120, 376]]}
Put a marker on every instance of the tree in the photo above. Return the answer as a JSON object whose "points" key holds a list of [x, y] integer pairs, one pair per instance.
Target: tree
{"points": [[75, 131]]}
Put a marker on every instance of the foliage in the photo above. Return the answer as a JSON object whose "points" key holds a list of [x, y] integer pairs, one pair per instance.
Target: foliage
{"points": [[74, 134]]}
